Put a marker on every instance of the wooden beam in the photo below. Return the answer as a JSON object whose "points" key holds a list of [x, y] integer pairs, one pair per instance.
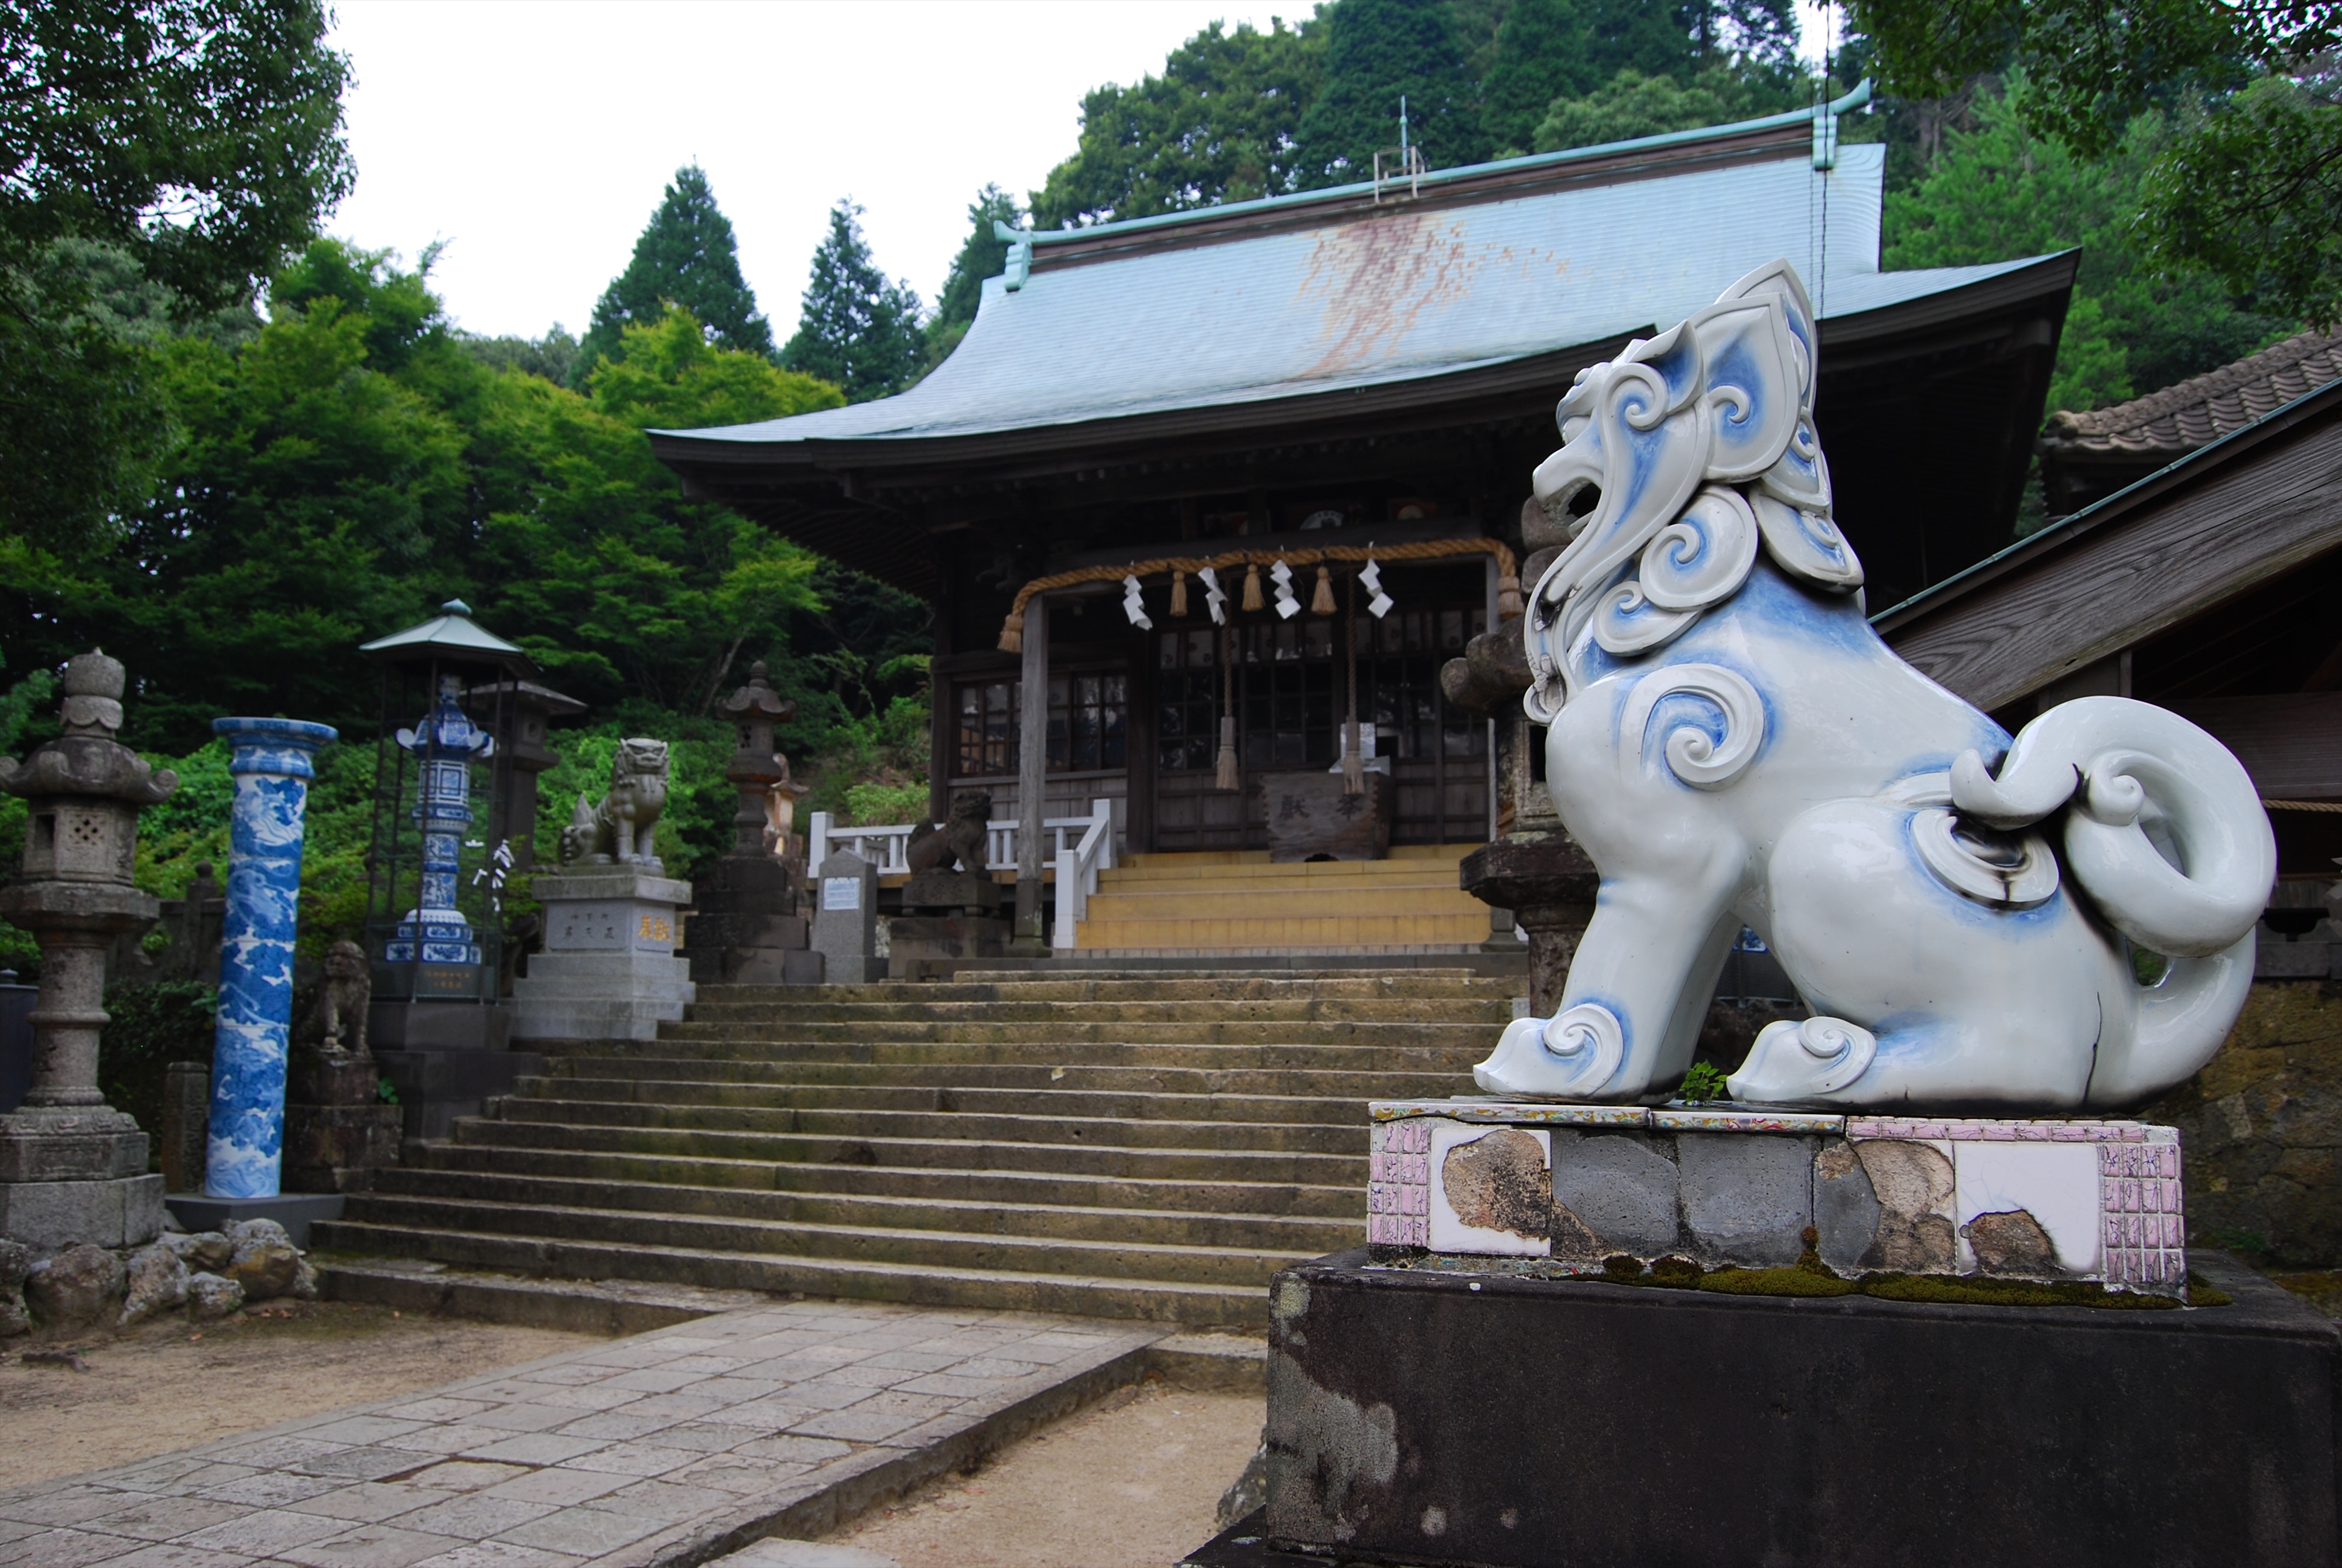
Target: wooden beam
{"points": [[1032, 766], [2291, 744], [2117, 585]]}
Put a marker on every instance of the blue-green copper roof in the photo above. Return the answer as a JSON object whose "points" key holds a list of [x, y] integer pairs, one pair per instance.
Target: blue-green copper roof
{"points": [[1200, 311]]}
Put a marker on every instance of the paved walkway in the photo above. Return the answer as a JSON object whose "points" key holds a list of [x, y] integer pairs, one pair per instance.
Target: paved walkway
{"points": [[666, 1448]]}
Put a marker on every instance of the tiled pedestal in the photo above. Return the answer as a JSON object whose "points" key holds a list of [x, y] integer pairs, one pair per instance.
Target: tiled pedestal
{"points": [[2045, 1199]]}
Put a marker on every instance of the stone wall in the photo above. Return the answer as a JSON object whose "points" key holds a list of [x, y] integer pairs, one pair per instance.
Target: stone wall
{"points": [[2261, 1128]]}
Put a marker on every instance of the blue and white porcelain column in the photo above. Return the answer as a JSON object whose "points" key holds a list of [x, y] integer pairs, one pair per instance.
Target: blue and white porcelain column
{"points": [[270, 763]]}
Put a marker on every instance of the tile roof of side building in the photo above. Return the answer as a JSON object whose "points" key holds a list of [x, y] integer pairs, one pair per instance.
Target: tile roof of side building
{"points": [[2189, 414], [1324, 292]]}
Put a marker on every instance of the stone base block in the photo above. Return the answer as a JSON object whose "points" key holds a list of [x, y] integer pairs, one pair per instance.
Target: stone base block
{"points": [[120, 1211], [296, 1212], [972, 893], [337, 1148], [620, 995], [1479, 1419], [96, 1143], [703, 929], [851, 969], [2053, 1199], [392, 1025], [318, 1079], [437, 1087], [592, 1018], [916, 941]]}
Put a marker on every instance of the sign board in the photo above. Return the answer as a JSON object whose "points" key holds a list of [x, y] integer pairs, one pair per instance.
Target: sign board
{"points": [[841, 893]]}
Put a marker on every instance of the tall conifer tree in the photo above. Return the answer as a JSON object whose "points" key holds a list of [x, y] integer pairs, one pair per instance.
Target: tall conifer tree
{"points": [[982, 254], [1375, 51], [858, 330], [686, 255]]}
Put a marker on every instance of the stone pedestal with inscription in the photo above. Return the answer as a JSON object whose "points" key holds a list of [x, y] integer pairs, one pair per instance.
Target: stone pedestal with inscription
{"points": [[609, 969]]}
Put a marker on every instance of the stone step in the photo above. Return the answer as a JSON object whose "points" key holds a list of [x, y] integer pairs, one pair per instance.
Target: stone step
{"points": [[973, 1126], [1210, 900], [920, 1284], [1228, 930], [1406, 860], [1131, 1227], [1252, 1010], [712, 1025], [946, 1183], [1240, 1267], [682, 1097], [1209, 1162], [1409, 1054], [1179, 986], [1353, 1085]]}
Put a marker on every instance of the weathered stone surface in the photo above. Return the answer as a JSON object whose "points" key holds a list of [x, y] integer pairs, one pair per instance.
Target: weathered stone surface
{"points": [[1846, 1210], [15, 1261], [2011, 1244], [1746, 1200], [210, 1295], [1499, 1183], [2262, 1126], [1616, 1186], [156, 1282], [78, 1285], [1914, 1187], [201, 1249], [266, 1262]]}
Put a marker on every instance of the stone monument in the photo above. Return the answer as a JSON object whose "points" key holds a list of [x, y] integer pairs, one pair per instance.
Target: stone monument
{"points": [[951, 906], [846, 920], [1918, 1280], [73, 1168], [609, 969], [745, 928]]}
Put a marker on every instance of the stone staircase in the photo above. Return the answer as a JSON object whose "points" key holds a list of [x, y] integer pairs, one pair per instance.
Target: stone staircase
{"points": [[1240, 904], [1151, 1147]]}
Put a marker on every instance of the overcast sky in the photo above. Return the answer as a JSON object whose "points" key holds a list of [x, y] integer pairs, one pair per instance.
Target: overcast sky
{"points": [[535, 136]]}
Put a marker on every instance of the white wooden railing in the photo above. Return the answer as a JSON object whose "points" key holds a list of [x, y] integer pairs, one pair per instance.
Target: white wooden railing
{"points": [[1078, 865], [887, 845]]}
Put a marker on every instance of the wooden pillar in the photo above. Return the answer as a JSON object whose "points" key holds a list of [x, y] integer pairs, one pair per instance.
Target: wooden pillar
{"points": [[1032, 768]]}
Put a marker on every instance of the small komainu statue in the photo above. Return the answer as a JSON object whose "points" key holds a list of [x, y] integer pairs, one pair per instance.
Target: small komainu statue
{"points": [[617, 832], [337, 1023], [1734, 746], [960, 842]]}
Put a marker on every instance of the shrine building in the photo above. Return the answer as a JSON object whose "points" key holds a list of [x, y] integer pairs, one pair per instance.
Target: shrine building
{"points": [[1367, 373]]}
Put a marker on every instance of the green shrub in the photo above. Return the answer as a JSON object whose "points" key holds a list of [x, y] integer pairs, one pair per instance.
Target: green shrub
{"points": [[151, 1023]]}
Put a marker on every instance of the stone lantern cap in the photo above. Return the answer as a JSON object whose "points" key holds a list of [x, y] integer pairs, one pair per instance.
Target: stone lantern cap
{"points": [[755, 708], [87, 760], [757, 700]]}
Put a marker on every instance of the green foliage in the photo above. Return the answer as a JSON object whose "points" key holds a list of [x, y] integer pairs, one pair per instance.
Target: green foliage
{"points": [[1542, 52], [867, 804], [2003, 190], [982, 254], [149, 1025], [1376, 50], [697, 824], [2246, 188], [553, 356], [1221, 123], [686, 257], [1633, 105], [858, 331], [1705, 1082]]}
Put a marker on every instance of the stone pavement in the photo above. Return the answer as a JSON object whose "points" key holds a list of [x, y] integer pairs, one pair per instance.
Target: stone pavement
{"points": [[665, 1449]]}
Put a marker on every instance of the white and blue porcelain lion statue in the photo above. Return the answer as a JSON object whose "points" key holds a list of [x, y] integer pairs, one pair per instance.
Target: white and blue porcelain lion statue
{"points": [[1734, 746]]}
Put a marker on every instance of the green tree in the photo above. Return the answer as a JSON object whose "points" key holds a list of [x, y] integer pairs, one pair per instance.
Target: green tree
{"points": [[686, 256], [191, 142], [983, 254], [553, 356], [2003, 190], [858, 330], [1632, 105], [1221, 123], [2247, 181], [1543, 52], [1376, 51]]}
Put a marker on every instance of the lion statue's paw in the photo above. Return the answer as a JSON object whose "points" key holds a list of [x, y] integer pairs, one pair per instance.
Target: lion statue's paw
{"points": [[1793, 1062], [1570, 1055]]}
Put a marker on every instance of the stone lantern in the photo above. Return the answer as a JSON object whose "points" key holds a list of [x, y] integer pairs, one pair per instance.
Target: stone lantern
{"points": [[73, 1168], [745, 928]]}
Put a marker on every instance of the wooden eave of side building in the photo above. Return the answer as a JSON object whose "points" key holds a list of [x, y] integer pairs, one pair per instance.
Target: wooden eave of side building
{"points": [[2199, 534]]}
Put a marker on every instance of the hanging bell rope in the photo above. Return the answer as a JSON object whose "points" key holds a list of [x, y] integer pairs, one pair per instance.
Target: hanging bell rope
{"points": [[1508, 582], [1321, 603], [1178, 594]]}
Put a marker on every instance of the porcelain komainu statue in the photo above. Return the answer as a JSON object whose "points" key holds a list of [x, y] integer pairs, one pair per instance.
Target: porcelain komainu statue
{"points": [[1732, 745], [618, 831]]}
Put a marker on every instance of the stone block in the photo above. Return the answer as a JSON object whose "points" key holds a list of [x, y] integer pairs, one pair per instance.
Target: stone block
{"points": [[1846, 1208], [435, 1088], [122, 1211], [89, 1144], [454, 1025], [1526, 1422], [1746, 1198], [296, 1212], [845, 919], [917, 939], [337, 1148], [972, 892], [1620, 1190]]}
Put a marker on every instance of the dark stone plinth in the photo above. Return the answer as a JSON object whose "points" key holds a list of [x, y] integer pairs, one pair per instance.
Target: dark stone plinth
{"points": [[337, 1130], [1550, 885], [296, 1212], [435, 1087], [971, 890], [744, 928], [1487, 1419], [393, 1024], [915, 942]]}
